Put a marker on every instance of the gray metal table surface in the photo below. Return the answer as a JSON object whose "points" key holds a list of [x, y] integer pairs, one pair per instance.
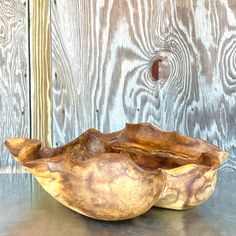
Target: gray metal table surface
{"points": [[26, 209]]}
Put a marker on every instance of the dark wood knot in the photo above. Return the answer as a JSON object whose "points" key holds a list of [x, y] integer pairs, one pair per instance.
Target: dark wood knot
{"points": [[160, 69]]}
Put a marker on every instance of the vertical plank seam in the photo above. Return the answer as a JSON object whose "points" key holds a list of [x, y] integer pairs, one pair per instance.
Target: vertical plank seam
{"points": [[29, 68], [51, 90], [40, 62]]}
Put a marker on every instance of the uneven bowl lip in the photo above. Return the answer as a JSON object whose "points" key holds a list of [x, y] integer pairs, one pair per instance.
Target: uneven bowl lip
{"points": [[113, 136], [220, 154], [160, 175]]}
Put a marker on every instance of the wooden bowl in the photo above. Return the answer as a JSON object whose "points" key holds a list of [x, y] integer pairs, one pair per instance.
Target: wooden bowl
{"points": [[123, 174]]}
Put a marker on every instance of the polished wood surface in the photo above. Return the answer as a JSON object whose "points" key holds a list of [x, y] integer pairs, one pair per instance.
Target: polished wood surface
{"points": [[41, 215], [170, 63], [121, 175]]}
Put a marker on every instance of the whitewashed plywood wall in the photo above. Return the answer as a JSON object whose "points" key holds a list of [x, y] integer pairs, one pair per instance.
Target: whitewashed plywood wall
{"points": [[102, 54], [107, 62], [14, 78]]}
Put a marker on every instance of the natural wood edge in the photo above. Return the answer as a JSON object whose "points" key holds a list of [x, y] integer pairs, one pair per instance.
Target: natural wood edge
{"points": [[40, 67]]}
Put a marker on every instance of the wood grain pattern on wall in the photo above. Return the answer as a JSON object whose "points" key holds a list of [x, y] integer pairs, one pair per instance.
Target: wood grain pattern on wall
{"points": [[40, 66], [102, 54], [14, 79]]}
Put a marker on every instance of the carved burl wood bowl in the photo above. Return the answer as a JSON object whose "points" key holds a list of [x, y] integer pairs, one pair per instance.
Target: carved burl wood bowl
{"points": [[121, 175]]}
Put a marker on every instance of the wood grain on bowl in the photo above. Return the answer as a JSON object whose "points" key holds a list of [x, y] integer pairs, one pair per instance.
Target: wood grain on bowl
{"points": [[121, 175]]}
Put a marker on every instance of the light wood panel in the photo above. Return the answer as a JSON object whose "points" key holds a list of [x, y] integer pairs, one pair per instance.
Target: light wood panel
{"points": [[40, 67], [14, 78], [102, 53]]}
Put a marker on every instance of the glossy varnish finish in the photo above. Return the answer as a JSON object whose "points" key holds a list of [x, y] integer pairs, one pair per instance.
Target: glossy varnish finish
{"points": [[102, 57], [14, 78], [42, 214], [121, 175]]}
